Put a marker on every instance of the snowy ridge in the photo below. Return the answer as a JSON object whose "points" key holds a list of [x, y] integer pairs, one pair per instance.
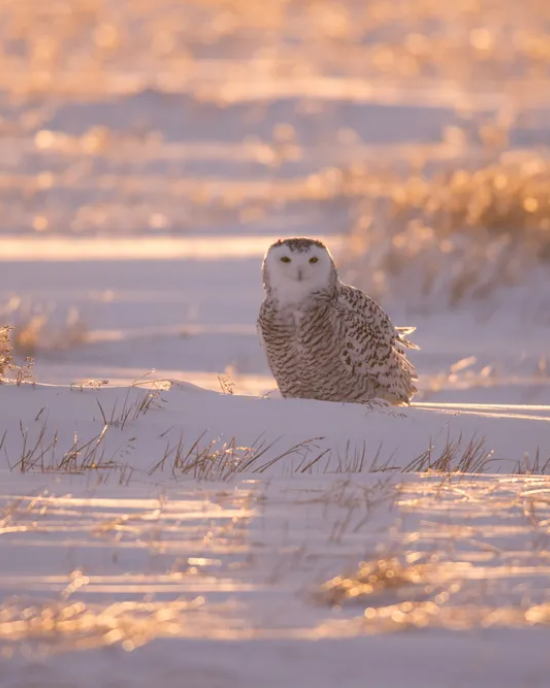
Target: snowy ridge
{"points": [[136, 427]]}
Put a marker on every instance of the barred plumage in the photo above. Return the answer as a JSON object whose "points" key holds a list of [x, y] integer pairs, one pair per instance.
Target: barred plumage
{"points": [[325, 339]]}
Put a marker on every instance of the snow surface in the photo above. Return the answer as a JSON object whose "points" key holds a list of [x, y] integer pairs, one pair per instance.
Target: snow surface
{"points": [[155, 529], [155, 570]]}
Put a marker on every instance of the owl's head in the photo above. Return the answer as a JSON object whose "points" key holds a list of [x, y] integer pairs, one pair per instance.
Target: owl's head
{"points": [[293, 269]]}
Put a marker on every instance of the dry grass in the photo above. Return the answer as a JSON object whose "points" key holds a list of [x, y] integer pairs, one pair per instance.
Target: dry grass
{"points": [[459, 556], [74, 625], [455, 559], [130, 411], [227, 384], [455, 457], [8, 368], [465, 42], [42, 453], [436, 614], [212, 460], [40, 327], [457, 235], [463, 232], [373, 579], [221, 461], [6, 357]]}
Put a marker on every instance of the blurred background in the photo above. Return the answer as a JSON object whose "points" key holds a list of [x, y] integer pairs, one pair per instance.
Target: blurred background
{"points": [[150, 150]]}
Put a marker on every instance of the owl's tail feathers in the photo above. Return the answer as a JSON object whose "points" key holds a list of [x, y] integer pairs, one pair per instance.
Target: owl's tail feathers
{"points": [[401, 338]]}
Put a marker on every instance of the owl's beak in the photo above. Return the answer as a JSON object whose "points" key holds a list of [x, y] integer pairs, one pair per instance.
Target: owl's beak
{"points": [[300, 274]]}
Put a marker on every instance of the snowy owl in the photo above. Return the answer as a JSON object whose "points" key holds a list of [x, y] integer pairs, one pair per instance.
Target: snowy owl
{"points": [[325, 339]]}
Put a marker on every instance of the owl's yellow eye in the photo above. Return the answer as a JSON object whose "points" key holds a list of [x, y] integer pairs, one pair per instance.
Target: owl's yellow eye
{"points": [[285, 259], [314, 259]]}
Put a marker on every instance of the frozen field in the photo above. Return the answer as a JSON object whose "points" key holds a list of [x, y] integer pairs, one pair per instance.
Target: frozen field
{"points": [[165, 517]]}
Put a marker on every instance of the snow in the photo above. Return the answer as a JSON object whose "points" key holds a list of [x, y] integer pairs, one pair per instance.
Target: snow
{"points": [[165, 517], [218, 581], [141, 425], [157, 566]]}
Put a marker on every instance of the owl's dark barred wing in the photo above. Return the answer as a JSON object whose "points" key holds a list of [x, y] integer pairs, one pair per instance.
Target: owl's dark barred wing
{"points": [[373, 347]]}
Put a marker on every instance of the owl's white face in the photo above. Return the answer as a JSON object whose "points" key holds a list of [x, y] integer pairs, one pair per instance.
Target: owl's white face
{"points": [[295, 268]]}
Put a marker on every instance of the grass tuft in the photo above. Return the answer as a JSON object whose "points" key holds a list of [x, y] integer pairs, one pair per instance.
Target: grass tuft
{"points": [[23, 373], [38, 326], [373, 578], [462, 232], [6, 356], [455, 457]]}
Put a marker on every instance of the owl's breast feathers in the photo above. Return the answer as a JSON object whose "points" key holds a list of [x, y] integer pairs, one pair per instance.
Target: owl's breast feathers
{"points": [[338, 346], [301, 346]]}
